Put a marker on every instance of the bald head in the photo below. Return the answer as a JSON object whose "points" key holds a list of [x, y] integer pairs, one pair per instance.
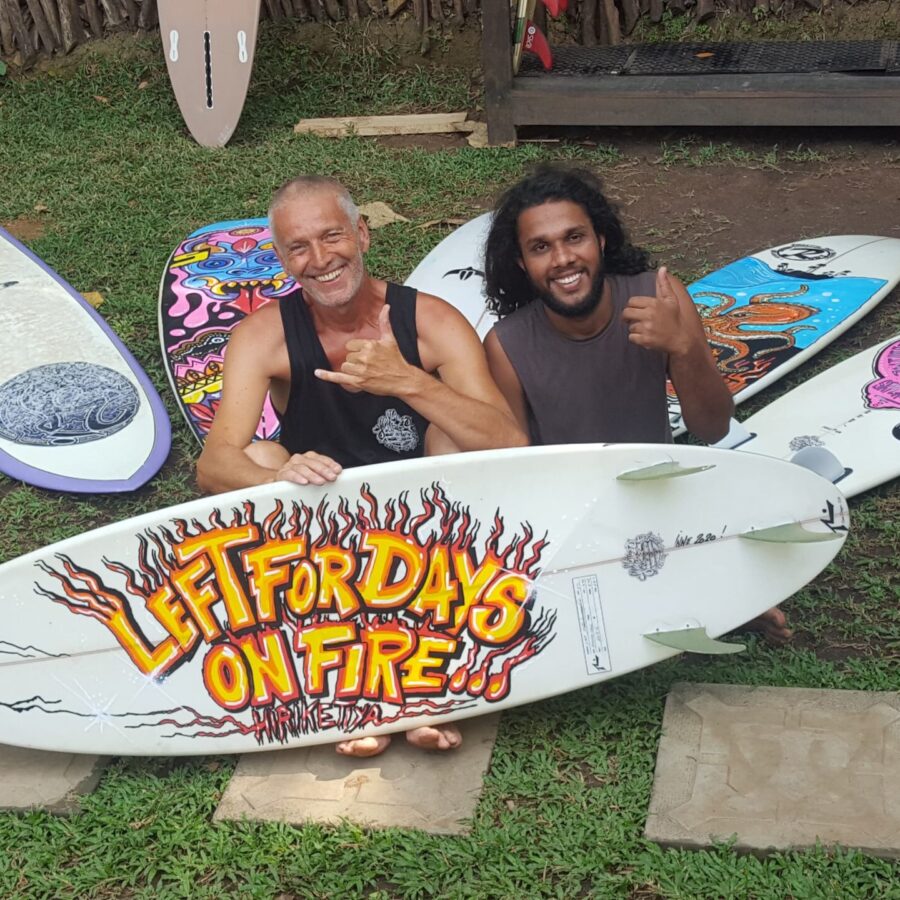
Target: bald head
{"points": [[306, 186]]}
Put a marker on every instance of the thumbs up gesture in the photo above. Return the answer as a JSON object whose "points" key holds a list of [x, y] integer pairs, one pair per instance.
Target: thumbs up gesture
{"points": [[375, 366], [668, 322]]}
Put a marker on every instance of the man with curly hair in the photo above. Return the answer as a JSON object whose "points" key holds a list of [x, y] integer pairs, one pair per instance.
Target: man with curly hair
{"points": [[588, 331]]}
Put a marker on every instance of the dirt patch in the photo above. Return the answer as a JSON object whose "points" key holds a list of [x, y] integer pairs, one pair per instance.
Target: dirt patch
{"points": [[26, 228]]}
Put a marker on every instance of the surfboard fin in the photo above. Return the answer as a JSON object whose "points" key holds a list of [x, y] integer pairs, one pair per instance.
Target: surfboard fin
{"points": [[535, 42], [693, 640], [791, 533], [667, 469], [821, 461], [556, 7], [737, 435]]}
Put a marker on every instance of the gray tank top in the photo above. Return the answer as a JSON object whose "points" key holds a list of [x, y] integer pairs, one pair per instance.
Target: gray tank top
{"points": [[603, 389]]}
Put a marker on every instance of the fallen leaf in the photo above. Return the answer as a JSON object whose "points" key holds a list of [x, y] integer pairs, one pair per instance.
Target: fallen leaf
{"points": [[143, 85], [379, 214], [100, 99], [40, 208]]}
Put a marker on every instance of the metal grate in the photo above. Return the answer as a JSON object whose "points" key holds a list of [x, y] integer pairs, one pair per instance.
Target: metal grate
{"points": [[721, 58]]}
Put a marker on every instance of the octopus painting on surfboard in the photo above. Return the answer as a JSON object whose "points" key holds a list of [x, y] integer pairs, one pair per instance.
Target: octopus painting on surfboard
{"points": [[209, 46], [766, 314]]}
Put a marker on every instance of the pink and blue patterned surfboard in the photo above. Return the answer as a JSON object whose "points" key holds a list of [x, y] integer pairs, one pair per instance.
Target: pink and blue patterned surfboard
{"points": [[215, 278]]}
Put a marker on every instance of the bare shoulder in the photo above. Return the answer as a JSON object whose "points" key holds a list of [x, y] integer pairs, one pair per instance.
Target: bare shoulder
{"points": [[262, 325], [434, 316]]}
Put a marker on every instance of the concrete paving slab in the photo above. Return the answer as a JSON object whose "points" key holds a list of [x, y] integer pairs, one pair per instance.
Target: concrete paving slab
{"points": [[780, 768], [403, 788], [55, 782]]}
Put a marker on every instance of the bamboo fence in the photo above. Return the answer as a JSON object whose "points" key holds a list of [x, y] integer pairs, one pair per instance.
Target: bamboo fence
{"points": [[33, 28]]}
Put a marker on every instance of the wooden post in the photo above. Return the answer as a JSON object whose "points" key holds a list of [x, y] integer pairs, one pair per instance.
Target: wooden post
{"points": [[20, 32], [47, 37], [7, 44], [70, 25], [496, 60], [95, 20], [149, 16]]}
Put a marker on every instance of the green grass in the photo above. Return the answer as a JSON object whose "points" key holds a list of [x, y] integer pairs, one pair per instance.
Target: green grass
{"points": [[95, 152]]}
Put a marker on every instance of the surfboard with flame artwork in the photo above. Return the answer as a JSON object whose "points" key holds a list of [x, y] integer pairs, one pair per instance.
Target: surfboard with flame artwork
{"points": [[403, 593]]}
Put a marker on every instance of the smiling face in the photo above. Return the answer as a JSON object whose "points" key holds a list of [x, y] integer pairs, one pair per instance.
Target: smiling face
{"points": [[320, 246], [562, 256]]}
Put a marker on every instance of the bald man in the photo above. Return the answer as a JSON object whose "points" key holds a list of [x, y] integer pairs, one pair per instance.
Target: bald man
{"points": [[360, 371]]}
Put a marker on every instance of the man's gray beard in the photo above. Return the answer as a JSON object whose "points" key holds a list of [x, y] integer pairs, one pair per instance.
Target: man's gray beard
{"points": [[579, 310]]}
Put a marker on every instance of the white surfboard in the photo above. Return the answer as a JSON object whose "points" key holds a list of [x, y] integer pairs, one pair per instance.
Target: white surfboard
{"points": [[454, 271], [77, 412], [404, 593], [851, 410]]}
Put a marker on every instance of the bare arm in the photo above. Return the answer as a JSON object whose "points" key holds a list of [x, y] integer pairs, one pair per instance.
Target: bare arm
{"points": [[463, 402], [670, 322], [504, 374], [254, 357]]}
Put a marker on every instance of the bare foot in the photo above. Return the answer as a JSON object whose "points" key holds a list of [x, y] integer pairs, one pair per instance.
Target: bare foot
{"points": [[435, 737], [367, 746], [772, 625]]}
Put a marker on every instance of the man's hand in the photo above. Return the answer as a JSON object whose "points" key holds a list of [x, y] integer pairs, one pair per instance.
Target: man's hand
{"points": [[377, 367], [309, 468], [667, 322]]}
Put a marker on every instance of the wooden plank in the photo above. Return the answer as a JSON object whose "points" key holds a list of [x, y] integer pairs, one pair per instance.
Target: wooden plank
{"points": [[429, 123], [52, 14], [149, 16], [25, 46], [821, 99], [113, 13], [48, 39]]}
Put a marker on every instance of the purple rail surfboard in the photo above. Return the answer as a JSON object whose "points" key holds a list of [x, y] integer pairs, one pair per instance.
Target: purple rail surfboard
{"points": [[77, 412]]}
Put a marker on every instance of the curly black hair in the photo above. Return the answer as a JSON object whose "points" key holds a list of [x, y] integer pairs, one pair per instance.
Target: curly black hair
{"points": [[506, 284]]}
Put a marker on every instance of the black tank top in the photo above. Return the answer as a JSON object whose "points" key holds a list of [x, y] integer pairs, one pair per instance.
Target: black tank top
{"points": [[354, 429]]}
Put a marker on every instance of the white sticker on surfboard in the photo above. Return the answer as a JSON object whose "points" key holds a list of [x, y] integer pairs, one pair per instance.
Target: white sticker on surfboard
{"points": [[403, 594]]}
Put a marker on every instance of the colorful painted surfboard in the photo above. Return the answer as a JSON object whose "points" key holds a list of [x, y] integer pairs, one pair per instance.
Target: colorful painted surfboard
{"points": [[766, 314], [77, 412], [220, 274], [404, 593], [852, 410], [209, 46]]}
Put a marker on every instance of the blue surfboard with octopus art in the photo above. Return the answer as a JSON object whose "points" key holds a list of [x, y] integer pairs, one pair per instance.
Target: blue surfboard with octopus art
{"points": [[766, 314]]}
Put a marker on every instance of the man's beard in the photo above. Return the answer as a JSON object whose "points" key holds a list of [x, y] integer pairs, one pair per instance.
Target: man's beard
{"points": [[578, 310]]}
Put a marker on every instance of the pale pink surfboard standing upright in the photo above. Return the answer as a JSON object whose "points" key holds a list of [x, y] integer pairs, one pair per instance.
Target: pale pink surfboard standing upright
{"points": [[209, 48]]}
